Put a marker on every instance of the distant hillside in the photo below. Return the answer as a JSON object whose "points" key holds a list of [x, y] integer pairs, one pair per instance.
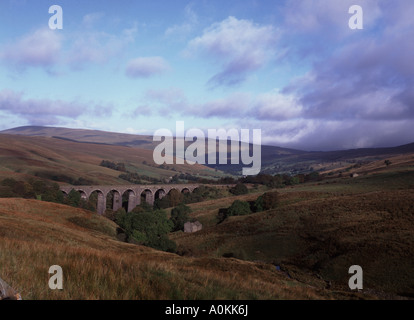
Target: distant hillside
{"points": [[275, 160], [329, 160], [83, 135], [72, 162]]}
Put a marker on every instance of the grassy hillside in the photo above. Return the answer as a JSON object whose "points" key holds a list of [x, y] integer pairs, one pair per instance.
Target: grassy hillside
{"points": [[35, 235], [275, 160], [62, 160], [319, 230], [84, 135]]}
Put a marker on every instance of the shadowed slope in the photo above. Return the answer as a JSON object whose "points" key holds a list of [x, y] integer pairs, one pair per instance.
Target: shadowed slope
{"points": [[35, 235]]}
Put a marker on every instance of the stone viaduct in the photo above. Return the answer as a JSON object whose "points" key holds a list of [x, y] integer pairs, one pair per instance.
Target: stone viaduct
{"points": [[134, 192]]}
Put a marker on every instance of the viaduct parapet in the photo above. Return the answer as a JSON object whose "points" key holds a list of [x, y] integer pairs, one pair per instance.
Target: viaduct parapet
{"points": [[134, 193]]}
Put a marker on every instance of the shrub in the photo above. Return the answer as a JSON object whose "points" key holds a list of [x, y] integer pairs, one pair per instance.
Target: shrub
{"points": [[267, 201], [270, 200], [258, 204], [239, 189], [239, 208]]}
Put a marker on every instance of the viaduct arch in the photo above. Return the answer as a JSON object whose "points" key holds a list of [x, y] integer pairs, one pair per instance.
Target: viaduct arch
{"points": [[134, 193]]}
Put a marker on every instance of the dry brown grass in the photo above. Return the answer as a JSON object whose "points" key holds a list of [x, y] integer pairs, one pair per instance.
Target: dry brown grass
{"points": [[26, 155], [35, 235], [397, 161]]}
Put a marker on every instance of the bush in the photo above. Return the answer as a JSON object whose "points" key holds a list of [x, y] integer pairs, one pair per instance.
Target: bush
{"points": [[267, 201], [258, 204], [179, 216], [239, 208], [113, 165], [239, 189], [270, 200]]}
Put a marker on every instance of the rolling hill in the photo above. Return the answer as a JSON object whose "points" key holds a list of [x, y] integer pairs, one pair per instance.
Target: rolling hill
{"points": [[72, 162], [275, 160]]}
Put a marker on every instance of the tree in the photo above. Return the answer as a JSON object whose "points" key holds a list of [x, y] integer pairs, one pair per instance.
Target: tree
{"points": [[176, 197], [387, 162], [239, 208], [163, 203], [51, 193], [293, 181], [179, 216], [74, 198], [239, 189]]}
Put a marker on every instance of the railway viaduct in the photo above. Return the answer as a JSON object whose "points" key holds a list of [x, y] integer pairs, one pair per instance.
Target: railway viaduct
{"points": [[134, 193]]}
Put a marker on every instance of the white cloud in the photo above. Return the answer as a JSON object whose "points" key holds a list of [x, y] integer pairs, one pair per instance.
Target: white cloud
{"points": [[144, 67], [41, 48], [48, 111], [239, 46], [276, 106]]}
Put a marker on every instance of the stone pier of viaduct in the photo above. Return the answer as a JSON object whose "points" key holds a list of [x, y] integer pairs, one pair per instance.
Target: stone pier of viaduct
{"points": [[134, 193]]}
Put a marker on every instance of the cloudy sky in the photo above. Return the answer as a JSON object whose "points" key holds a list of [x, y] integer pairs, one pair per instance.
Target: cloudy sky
{"points": [[292, 68]]}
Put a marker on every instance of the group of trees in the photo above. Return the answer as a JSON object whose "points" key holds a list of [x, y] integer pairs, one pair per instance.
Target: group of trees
{"points": [[136, 178], [150, 227], [74, 199], [174, 197], [112, 165], [267, 201], [63, 178], [45, 191], [280, 181], [31, 189], [271, 181]]}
